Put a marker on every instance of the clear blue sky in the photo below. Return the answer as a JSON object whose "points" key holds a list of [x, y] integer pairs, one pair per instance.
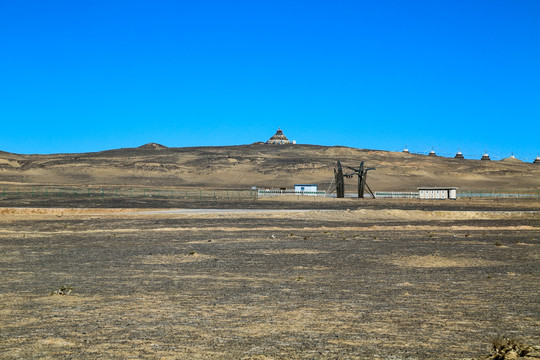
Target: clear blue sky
{"points": [[78, 76]]}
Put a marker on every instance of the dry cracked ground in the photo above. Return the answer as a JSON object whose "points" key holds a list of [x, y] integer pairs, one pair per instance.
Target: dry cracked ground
{"points": [[334, 284]]}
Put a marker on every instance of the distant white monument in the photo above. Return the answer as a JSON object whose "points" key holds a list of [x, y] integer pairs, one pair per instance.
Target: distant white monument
{"points": [[459, 155]]}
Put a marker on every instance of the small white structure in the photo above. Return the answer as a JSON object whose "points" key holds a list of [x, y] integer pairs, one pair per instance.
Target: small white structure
{"points": [[459, 155], [432, 153], [301, 188], [537, 160], [437, 193]]}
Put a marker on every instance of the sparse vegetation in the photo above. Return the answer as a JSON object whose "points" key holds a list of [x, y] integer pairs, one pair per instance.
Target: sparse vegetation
{"points": [[164, 291], [508, 349], [64, 290]]}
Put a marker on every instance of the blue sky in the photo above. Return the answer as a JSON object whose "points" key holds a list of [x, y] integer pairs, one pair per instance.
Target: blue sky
{"points": [[78, 76]]}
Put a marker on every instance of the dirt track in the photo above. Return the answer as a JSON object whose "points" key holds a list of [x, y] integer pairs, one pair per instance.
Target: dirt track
{"points": [[359, 284]]}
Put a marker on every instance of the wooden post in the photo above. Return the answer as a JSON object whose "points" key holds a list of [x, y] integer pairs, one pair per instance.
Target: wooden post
{"points": [[361, 180], [340, 183]]}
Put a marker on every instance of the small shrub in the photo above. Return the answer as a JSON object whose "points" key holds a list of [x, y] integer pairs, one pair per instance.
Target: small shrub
{"points": [[503, 346], [498, 243], [64, 290]]}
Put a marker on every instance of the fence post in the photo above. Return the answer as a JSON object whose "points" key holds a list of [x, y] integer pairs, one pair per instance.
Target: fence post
{"points": [[200, 194], [102, 193], [227, 194], [130, 192], [32, 191], [144, 192], [88, 192], [172, 194]]}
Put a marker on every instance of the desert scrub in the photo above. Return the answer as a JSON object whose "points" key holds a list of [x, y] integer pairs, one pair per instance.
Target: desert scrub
{"points": [[64, 290], [508, 348]]}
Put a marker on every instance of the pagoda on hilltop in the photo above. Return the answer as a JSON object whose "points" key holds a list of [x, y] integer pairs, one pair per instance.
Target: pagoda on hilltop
{"points": [[279, 138]]}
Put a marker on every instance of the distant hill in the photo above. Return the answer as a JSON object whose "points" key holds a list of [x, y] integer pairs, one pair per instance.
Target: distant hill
{"points": [[152, 146], [261, 165]]}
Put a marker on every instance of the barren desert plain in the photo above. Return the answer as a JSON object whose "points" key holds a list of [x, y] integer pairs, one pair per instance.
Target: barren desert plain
{"points": [[90, 277]]}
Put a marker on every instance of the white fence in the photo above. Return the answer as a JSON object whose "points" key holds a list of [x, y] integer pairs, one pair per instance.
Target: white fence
{"points": [[459, 194], [396, 194], [472, 194], [271, 193]]}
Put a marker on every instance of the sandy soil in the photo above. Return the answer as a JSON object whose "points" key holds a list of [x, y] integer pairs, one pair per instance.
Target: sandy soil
{"points": [[333, 279], [375, 283]]}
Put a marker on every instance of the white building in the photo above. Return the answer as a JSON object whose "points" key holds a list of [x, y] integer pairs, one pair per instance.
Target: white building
{"points": [[437, 193], [305, 188]]}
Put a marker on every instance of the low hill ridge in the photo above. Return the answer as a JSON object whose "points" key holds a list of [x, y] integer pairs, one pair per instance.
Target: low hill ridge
{"points": [[263, 166], [152, 146]]}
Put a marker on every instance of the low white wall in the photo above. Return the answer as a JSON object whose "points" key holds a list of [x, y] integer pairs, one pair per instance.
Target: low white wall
{"points": [[270, 193]]}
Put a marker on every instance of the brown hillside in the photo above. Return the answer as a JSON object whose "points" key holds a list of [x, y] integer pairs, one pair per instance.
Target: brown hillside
{"points": [[263, 166]]}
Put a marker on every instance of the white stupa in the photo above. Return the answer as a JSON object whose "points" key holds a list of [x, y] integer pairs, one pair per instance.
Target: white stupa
{"points": [[432, 153], [485, 157], [537, 160], [459, 155]]}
